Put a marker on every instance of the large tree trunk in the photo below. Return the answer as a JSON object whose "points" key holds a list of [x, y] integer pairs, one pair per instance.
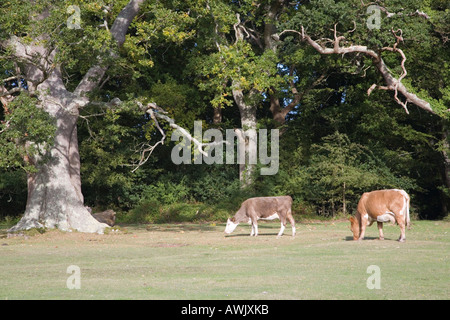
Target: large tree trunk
{"points": [[55, 199], [246, 135]]}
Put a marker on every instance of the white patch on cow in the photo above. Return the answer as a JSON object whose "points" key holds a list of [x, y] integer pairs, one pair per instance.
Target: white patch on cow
{"points": [[368, 219], [405, 197], [387, 217], [230, 226], [403, 192], [271, 217], [281, 231]]}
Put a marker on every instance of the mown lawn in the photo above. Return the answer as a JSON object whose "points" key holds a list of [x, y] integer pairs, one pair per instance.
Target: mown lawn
{"points": [[196, 261]]}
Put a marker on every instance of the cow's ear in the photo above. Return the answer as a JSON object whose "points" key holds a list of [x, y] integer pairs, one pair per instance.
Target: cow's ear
{"points": [[352, 219], [233, 219]]}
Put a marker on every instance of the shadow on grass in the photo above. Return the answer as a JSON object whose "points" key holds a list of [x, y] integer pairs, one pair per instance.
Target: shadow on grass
{"points": [[261, 226], [350, 238], [248, 235], [177, 227]]}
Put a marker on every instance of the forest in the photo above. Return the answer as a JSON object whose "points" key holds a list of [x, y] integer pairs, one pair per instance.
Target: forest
{"points": [[354, 94]]}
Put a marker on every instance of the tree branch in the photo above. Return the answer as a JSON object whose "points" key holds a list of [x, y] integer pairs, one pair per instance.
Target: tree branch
{"points": [[391, 82], [118, 31], [147, 149], [157, 112]]}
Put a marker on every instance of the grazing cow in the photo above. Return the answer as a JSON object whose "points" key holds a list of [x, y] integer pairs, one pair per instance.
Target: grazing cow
{"points": [[381, 206], [265, 208]]}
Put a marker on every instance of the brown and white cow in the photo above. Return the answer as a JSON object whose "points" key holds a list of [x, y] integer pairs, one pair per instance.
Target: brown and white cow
{"points": [[381, 206], [265, 208]]}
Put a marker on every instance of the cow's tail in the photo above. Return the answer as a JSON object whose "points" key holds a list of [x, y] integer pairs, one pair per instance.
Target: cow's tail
{"points": [[408, 220], [406, 209]]}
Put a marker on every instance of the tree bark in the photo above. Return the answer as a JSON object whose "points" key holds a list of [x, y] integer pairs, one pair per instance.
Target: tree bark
{"points": [[55, 199], [247, 136], [279, 112], [217, 118]]}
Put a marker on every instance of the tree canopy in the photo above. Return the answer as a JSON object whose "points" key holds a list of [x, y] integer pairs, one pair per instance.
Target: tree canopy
{"points": [[358, 91]]}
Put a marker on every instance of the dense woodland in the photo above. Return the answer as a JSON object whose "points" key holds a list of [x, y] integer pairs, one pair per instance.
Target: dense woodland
{"points": [[344, 129]]}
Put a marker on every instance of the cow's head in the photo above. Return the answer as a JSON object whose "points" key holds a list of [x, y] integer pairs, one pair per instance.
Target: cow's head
{"points": [[354, 226], [231, 225]]}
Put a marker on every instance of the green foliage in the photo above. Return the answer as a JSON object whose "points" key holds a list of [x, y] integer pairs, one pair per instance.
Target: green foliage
{"points": [[184, 55], [13, 192], [338, 172], [27, 132]]}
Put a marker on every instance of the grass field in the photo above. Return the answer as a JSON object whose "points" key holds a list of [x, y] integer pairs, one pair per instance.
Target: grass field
{"points": [[196, 261]]}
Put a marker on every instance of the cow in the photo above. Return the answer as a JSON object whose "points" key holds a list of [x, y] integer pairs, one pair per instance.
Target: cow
{"points": [[265, 208], [381, 206]]}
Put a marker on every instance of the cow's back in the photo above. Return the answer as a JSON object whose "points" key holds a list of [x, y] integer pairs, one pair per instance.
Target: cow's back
{"points": [[266, 206], [379, 202]]}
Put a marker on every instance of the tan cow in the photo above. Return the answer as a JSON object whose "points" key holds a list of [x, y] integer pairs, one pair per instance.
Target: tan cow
{"points": [[265, 208], [381, 206]]}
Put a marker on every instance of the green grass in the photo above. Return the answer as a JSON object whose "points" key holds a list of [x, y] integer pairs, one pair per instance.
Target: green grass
{"points": [[196, 261]]}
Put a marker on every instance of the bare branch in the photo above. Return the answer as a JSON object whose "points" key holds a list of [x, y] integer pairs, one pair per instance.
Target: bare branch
{"points": [[10, 92], [18, 77], [6, 124], [404, 72], [147, 149], [415, 13], [392, 83], [157, 112]]}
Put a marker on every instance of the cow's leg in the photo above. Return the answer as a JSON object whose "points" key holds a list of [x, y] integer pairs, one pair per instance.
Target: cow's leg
{"points": [[401, 223], [380, 230], [254, 229], [283, 226], [291, 221], [363, 226]]}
